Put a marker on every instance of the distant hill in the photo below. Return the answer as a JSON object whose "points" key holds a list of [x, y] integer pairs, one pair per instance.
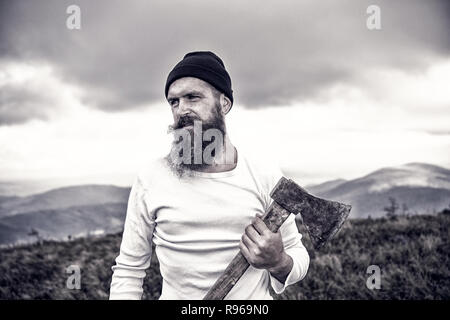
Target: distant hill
{"points": [[26, 187], [7, 198], [325, 186], [423, 188], [56, 214], [63, 198], [60, 224]]}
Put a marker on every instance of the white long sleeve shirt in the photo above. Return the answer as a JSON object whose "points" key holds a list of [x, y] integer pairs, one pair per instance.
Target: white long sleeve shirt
{"points": [[196, 224]]}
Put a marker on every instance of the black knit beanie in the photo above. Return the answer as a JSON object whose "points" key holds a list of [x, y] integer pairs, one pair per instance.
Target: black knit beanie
{"points": [[203, 65]]}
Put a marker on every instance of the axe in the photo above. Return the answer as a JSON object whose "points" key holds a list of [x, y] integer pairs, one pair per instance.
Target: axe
{"points": [[322, 219]]}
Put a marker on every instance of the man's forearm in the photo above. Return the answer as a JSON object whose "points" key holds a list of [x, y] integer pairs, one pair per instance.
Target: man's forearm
{"points": [[282, 270]]}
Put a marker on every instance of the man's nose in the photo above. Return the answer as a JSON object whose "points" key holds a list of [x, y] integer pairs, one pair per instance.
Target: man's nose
{"points": [[184, 107]]}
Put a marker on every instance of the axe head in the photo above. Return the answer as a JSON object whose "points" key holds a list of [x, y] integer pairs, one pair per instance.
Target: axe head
{"points": [[322, 218]]}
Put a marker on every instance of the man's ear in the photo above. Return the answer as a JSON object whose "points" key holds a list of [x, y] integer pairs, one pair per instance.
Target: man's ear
{"points": [[225, 103]]}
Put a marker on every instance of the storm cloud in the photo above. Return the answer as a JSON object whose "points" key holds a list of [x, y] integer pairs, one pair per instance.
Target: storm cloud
{"points": [[19, 105], [277, 52]]}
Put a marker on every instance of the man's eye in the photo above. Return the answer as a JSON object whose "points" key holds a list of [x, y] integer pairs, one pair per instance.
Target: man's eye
{"points": [[173, 103], [191, 97]]}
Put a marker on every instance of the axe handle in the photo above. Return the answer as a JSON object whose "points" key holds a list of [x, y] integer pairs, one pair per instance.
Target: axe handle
{"points": [[274, 218]]}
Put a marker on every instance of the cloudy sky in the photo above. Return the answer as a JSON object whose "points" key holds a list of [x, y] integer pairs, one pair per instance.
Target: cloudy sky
{"points": [[328, 97]]}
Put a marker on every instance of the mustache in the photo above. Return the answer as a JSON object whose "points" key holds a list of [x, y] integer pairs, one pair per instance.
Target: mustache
{"points": [[184, 121]]}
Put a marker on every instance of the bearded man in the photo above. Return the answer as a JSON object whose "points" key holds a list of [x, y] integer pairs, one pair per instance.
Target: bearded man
{"points": [[201, 206]]}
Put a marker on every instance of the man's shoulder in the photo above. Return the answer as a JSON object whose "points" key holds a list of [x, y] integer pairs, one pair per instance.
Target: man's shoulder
{"points": [[263, 166]]}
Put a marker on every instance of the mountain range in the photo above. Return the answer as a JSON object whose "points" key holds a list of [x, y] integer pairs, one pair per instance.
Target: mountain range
{"points": [[416, 187], [63, 213], [78, 211]]}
